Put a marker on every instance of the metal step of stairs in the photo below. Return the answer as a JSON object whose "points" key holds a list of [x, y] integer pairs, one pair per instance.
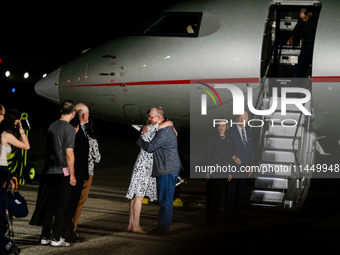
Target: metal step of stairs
{"points": [[271, 183], [286, 157], [291, 118], [280, 143], [283, 131], [265, 196]]}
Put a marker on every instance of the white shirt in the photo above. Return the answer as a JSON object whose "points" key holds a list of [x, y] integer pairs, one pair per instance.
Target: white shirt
{"points": [[4, 151]]}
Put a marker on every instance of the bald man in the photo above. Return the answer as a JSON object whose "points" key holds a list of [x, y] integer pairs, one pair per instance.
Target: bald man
{"points": [[305, 28]]}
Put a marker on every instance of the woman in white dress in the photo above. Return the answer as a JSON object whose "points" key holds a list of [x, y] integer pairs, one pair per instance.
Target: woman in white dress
{"points": [[142, 184]]}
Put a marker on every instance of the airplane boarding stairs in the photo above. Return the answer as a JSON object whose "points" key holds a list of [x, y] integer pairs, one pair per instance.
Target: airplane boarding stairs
{"points": [[286, 150]]}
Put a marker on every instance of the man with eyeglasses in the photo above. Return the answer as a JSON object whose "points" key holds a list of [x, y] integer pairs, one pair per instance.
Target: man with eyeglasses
{"points": [[166, 167]]}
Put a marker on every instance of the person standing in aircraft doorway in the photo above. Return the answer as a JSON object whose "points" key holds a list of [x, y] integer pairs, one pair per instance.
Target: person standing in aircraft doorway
{"points": [[305, 28]]}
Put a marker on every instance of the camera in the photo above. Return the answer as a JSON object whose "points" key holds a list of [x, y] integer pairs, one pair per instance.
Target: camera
{"points": [[11, 248]]}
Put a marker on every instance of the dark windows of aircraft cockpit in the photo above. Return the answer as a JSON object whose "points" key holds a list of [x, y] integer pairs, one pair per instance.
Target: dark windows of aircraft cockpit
{"points": [[174, 24]]}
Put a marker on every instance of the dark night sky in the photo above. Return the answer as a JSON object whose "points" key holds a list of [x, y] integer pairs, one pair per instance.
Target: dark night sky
{"points": [[39, 39]]}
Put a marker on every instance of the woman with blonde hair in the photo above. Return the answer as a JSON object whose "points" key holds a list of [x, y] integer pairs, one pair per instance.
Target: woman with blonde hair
{"points": [[142, 184]]}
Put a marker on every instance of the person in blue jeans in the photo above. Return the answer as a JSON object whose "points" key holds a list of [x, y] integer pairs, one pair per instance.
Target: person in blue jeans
{"points": [[166, 168]]}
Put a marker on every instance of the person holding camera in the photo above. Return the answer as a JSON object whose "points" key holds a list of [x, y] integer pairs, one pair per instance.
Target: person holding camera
{"points": [[10, 131], [12, 202]]}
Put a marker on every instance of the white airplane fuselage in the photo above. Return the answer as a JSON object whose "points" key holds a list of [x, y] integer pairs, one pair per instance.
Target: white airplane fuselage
{"points": [[121, 79]]}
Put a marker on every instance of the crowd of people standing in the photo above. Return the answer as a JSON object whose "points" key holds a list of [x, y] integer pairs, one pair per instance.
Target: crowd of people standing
{"points": [[72, 151], [66, 179]]}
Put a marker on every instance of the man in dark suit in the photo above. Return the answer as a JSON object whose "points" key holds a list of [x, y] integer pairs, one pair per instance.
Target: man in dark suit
{"points": [[305, 28], [243, 156], [166, 167], [81, 152]]}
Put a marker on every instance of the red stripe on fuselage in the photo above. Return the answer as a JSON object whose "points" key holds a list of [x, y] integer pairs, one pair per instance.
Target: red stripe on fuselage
{"points": [[173, 82], [326, 79], [213, 81]]}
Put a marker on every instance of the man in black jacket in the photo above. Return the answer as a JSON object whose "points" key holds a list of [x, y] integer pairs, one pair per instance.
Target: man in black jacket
{"points": [[243, 157], [306, 29], [81, 153], [17, 205]]}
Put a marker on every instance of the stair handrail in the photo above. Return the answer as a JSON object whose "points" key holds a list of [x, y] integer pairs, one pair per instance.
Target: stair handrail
{"points": [[309, 87], [264, 79], [263, 92]]}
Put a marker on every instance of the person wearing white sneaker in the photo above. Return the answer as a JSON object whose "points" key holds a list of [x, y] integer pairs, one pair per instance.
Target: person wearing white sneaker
{"points": [[60, 174], [45, 241], [60, 243]]}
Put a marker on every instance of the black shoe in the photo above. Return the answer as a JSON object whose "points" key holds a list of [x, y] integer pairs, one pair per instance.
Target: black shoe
{"points": [[76, 233], [158, 232], [71, 237]]}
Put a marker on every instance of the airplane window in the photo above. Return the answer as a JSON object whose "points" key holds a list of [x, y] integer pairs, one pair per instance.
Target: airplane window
{"points": [[171, 24]]}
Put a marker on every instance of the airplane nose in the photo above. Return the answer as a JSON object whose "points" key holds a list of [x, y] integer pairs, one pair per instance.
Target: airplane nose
{"points": [[48, 87]]}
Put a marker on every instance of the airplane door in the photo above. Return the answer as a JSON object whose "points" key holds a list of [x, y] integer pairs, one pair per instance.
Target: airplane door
{"points": [[133, 113]]}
